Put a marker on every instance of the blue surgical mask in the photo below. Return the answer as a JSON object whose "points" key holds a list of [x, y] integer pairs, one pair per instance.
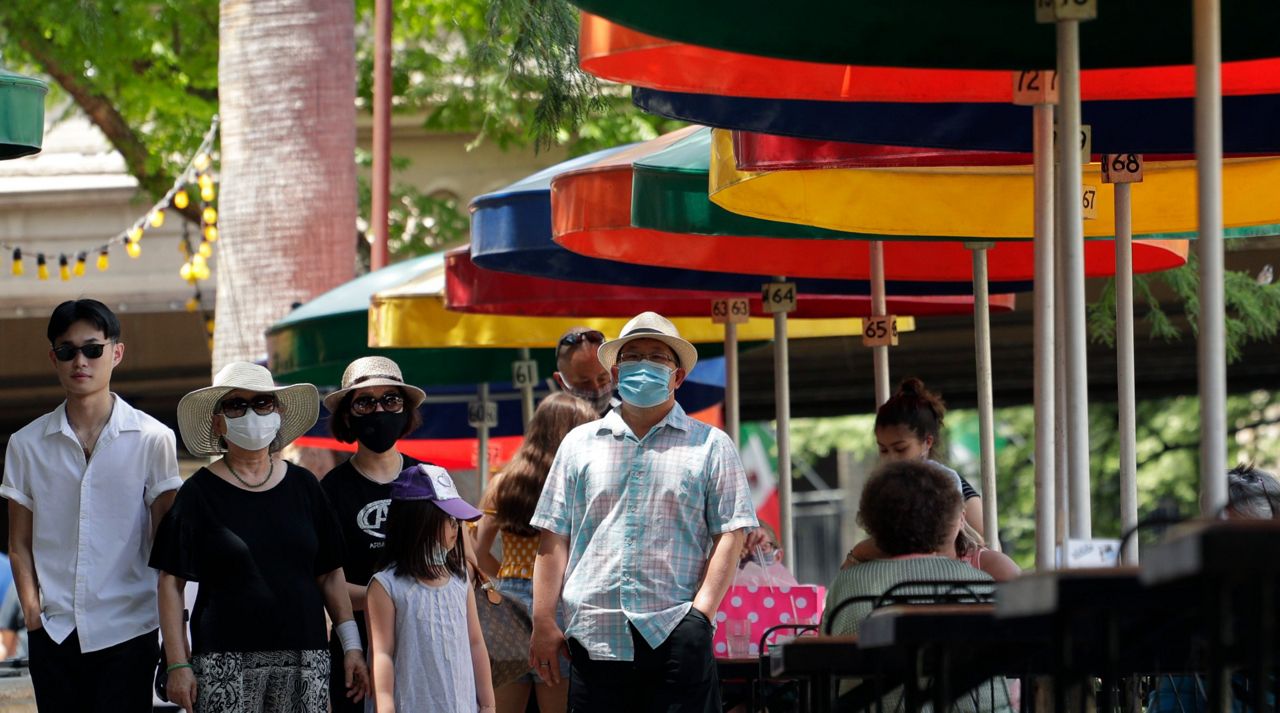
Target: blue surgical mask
{"points": [[643, 383]]}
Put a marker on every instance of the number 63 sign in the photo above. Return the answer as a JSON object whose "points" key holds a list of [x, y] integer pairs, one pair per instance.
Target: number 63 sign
{"points": [[880, 331]]}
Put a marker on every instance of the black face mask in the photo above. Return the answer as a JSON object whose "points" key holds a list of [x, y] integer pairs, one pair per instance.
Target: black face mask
{"points": [[379, 430]]}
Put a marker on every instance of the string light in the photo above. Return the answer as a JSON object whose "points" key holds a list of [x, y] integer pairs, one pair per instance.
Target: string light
{"points": [[205, 249], [104, 261], [42, 268], [64, 269], [134, 234], [210, 215], [157, 218], [211, 233], [207, 193], [181, 200], [193, 304], [185, 272], [133, 248], [18, 269], [78, 270], [202, 162]]}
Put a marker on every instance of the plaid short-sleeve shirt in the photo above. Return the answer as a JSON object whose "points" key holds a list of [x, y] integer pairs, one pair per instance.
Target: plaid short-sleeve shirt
{"points": [[640, 515]]}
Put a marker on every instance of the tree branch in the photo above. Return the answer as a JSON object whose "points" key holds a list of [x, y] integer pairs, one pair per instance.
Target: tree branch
{"points": [[1167, 448]]}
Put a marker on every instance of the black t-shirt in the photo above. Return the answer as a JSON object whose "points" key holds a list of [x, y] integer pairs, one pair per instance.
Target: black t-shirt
{"points": [[256, 556], [361, 506], [967, 490]]}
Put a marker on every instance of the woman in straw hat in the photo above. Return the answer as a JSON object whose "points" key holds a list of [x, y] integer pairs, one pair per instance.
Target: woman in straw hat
{"points": [[374, 409], [259, 536]]}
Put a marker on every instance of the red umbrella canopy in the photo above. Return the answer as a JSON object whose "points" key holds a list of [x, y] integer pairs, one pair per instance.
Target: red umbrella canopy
{"points": [[591, 212], [613, 52], [469, 288]]}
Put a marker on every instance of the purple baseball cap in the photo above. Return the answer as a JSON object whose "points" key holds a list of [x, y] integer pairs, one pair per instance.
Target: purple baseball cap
{"points": [[431, 482]]}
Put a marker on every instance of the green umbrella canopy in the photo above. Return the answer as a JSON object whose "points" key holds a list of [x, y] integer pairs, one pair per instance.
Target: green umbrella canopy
{"points": [[943, 34], [21, 115], [316, 341]]}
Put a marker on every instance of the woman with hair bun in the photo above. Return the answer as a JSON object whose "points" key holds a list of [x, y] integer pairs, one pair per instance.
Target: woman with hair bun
{"points": [[909, 427]]}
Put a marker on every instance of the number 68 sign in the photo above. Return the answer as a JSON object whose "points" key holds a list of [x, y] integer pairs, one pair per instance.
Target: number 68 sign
{"points": [[880, 331]]}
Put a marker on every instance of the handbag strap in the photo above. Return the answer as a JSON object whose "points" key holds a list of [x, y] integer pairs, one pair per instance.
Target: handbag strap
{"points": [[486, 585]]}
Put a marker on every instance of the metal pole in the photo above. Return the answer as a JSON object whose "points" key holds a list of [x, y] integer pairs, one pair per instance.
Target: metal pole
{"points": [[1127, 396], [378, 221], [482, 440], [1212, 348], [1046, 509], [526, 394], [731, 407], [986, 402], [879, 355], [782, 399], [1073, 270], [1062, 455]]}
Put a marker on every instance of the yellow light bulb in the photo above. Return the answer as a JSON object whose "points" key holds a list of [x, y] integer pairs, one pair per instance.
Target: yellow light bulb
{"points": [[205, 249], [133, 248], [205, 180], [210, 343], [210, 215], [181, 200], [103, 261], [207, 194], [202, 162], [135, 234], [208, 326], [211, 233], [18, 269], [202, 272], [193, 304], [78, 270], [157, 218], [42, 269], [185, 272], [64, 269]]}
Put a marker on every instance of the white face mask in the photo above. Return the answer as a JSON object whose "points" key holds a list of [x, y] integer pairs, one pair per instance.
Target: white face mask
{"points": [[252, 431]]}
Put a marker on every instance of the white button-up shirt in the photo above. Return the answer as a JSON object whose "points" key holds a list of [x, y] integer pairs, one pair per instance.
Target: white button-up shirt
{"points": [[92, 520]]}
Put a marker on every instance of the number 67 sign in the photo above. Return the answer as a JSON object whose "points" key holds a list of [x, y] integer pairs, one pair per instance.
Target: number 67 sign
{"points": [[880, 331]]}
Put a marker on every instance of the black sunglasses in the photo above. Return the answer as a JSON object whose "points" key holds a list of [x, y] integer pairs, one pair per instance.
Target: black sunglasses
{"points": [[392, 402], [572, 340], [262, 404], [67, 352]]}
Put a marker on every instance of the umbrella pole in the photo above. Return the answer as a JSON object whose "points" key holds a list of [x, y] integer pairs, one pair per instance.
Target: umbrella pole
{"points": [[731, 382], [1046, 508], [1212, 343], [482, 439], [879, 355], [1127, 397], [986, 405], [1062, 456], [526, 393], [782, 398], [1073, 271]]}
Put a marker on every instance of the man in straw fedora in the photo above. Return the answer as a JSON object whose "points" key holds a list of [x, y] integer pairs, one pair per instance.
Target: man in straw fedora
{"points": [[87, 484], [643, 516]]}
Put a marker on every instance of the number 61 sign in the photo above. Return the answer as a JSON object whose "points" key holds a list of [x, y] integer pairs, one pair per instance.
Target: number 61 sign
{"points": [[880, 331]]}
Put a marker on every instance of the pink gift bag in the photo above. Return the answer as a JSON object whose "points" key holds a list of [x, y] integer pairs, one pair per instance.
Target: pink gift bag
{"points": [[762, 607]]}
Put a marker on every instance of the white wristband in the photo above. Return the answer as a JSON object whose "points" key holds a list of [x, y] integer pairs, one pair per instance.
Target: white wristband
{"points": [[350, 636]]}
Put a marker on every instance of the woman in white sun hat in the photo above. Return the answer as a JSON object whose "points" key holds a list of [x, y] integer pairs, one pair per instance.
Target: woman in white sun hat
{"points": [[374, 409], [259, 536]]}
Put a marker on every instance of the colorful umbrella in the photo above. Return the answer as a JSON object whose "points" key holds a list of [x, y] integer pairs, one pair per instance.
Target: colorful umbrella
{"points": [[620, 54], [942, 34]]}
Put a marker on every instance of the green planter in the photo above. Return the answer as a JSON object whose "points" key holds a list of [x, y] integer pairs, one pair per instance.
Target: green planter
{"points": [[21, 115]]}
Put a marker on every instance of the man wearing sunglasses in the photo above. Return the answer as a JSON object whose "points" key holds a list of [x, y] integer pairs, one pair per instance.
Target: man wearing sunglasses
{"points": [[579, 373], [100, 475]]}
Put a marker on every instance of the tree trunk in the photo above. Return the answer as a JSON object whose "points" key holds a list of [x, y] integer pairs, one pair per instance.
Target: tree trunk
{"points": [[287, 209]]}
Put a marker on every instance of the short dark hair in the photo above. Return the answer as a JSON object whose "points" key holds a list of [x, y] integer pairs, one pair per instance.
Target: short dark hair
{"points": [[83, 310], [340, 420], [909, 507], [413, 530]]}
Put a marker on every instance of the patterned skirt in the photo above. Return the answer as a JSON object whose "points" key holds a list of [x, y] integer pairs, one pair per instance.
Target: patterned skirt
{"points": [[262, 681]]}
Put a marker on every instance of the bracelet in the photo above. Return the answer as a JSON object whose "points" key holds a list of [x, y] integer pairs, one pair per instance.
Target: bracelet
{"points": [[175, 666], [350, 636]]}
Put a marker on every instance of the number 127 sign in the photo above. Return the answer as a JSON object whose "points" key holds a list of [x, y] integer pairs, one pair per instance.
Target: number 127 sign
{"points": [[880, 331]]}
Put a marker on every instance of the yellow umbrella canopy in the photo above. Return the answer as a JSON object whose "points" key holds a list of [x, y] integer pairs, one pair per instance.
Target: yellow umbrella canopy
{"points": [[989, 202]]}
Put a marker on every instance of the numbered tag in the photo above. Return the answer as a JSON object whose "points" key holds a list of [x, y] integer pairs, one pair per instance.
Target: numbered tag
{"points": [[880, 331], [1122, 168], [1048, 11], [1086, 143], [1037, 86], [524, 373], [1089, 553], [735, 311], [1089, 202], [482, 413], [779, 297]]}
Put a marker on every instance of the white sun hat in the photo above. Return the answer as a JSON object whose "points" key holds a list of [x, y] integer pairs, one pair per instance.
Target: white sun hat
{"points": [[650, 325], [299, 406], [374, 371]]}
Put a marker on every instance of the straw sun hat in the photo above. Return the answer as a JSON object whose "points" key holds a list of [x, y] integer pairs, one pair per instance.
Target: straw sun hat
{"points": [[374, 371], [300, 407], [650, 325]]}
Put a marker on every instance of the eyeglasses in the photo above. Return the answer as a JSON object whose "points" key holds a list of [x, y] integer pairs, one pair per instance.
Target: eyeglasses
{"points": [[262, 404], [392, 402], [67, 352], [570, 341], [657, 357]]}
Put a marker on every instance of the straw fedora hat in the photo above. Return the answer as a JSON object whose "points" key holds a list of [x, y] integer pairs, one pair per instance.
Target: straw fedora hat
{"points": [[650, 325], [374, 371], [300, 407]]}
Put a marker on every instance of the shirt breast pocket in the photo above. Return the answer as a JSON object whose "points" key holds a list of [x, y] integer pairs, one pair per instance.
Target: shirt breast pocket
{"points": [[691, 496]]}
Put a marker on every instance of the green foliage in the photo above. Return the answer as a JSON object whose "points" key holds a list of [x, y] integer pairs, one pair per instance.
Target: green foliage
{"points": [[1253, 310]]}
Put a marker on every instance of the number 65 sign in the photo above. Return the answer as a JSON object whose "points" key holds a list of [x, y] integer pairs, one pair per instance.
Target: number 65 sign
{"points": [[880, 331]]}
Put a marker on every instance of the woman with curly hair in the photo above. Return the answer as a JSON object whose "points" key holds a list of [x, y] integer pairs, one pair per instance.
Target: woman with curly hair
{"points": [[508, 506]]}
